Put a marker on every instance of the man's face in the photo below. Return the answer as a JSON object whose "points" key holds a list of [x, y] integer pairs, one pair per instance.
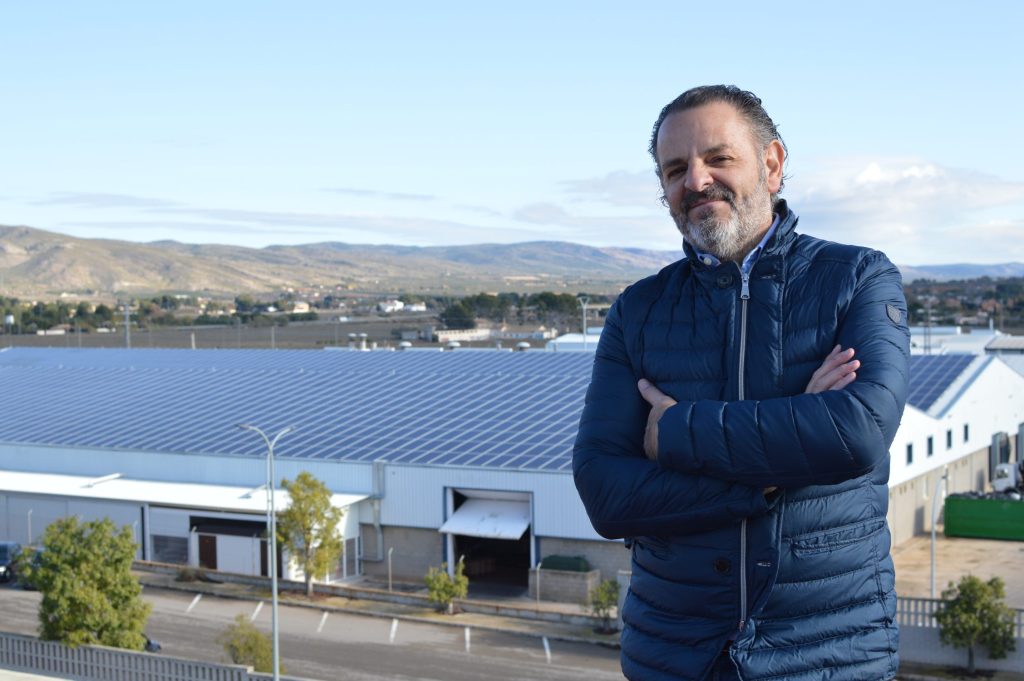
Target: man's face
{"points": [[716, 179]]}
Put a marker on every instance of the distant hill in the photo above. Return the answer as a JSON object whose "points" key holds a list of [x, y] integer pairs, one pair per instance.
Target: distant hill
{"points": [[35, 262], [38, 263], [961, 271]]}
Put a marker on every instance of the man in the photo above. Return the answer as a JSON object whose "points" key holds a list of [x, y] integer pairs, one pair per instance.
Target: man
{"points": [[730, 436]]}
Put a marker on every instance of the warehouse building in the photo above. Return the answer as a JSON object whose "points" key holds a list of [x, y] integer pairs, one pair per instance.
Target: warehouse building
{"points": [[432, 455]]}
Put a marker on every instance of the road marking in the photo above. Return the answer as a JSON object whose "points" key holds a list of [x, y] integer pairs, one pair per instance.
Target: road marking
{"points": [[547, 649], [194, 602], [322, 620], [256, 612], [394, 630], [467, 639]]}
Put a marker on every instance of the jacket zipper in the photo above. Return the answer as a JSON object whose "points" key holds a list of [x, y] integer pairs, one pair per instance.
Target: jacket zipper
{"points": [[744, 297]]}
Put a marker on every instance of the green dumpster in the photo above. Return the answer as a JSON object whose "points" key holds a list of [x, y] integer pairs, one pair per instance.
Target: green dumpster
{"points": [[985, 518]]}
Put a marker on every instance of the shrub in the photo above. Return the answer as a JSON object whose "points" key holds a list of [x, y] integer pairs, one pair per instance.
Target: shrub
{"points": [[602, 600], [247, 645], [443, 589]]}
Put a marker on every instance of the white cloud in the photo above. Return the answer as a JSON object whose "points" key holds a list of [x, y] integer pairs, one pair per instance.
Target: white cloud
{"points": [[917, 211], [374, 194], [618, 188]]}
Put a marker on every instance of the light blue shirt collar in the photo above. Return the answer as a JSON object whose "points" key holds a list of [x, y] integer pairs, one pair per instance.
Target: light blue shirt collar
{"points": [[749, 261]]}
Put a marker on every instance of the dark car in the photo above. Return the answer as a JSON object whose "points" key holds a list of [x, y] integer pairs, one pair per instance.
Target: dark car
{"points": [[9, 551]]}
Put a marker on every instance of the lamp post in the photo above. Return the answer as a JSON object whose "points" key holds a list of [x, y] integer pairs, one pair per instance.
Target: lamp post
{"points": [[272, 524]]}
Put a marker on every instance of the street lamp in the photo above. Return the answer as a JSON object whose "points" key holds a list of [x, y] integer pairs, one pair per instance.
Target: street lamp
{"points": [[272, 524]]}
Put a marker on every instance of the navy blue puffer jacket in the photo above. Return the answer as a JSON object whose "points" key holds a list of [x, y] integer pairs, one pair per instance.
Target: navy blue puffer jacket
{"points": [[797, 585]]}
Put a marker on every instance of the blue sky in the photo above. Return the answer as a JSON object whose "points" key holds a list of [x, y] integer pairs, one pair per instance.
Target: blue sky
{"points": [[259, 123]]}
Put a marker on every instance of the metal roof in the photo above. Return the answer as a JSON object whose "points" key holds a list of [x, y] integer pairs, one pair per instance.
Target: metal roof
{"points": [[507, 410], [495, 409], [176, 494]]}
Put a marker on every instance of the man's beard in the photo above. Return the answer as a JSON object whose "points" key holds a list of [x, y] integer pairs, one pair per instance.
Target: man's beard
{"points": [[728, 239]]}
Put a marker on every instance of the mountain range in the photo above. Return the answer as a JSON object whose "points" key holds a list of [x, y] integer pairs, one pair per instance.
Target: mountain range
{"points": [[38, 263]]}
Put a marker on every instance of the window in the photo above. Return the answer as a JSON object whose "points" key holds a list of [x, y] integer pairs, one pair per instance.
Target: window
{"points": [[170, 549], [967, 432], [910, 454], [931, 445], [949, 439]]}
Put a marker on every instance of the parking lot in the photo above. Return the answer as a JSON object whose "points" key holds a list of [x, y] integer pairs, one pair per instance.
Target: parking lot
{"points": [[956, 557]]}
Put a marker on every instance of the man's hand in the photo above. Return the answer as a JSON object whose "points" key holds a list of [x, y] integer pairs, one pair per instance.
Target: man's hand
{"points": [[837, 371], [659, 402]]}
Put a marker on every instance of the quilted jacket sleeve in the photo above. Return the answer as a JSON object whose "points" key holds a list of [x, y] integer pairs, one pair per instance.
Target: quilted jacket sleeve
{"points": [[625, 493], [823, 438]]}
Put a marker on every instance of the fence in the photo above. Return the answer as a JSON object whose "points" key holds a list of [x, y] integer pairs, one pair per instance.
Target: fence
{"points": [[95, 663], [919, 639], [920, 612]]}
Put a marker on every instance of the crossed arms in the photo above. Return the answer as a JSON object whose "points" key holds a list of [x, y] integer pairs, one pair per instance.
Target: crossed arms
{"points": [[839, 429]]}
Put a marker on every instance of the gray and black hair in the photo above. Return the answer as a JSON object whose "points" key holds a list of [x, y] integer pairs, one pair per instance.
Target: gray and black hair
{"points": [[745, 102]]}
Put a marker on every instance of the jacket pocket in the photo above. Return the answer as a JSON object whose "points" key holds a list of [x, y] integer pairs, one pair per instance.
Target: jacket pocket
{"points": [[836, 538], [653, 546]]}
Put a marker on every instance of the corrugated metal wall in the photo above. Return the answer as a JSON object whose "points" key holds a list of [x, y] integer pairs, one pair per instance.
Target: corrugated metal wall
{"points": [[414, 497]]}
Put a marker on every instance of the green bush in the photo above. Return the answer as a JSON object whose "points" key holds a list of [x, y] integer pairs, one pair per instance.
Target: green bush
{"points": [[567, 563], [602, 600], [247, 645], [443, 589]]}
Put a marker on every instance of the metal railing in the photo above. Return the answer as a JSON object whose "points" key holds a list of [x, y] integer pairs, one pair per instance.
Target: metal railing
{"points": [[96, 663]]}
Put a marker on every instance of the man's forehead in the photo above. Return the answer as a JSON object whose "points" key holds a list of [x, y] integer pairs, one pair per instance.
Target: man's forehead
{"points": [[704, 127]]}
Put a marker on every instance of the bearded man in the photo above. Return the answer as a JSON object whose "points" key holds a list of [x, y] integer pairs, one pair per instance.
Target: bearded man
{"points": [[731, 437]]}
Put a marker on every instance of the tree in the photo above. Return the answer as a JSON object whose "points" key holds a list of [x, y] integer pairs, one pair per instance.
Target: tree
{"points": [[602, 600], [89, 595], [443, 589], [458, 316], [974, 614], [308, 528], [245, 644]]}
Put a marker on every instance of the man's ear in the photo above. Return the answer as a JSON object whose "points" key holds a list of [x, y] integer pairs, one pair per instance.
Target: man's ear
{"points": [[774, 157]]}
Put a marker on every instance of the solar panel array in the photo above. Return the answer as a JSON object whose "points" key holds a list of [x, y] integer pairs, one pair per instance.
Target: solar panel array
{"points": [[492, 409], [931, 375], [471, 408]]}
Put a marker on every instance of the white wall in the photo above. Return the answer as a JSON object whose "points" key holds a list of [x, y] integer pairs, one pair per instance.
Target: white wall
{"points": [[415, 497], [238, 554], [991, 402]]}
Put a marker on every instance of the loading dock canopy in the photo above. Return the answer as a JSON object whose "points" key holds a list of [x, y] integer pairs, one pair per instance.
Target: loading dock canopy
{"points": [[490, 518]]}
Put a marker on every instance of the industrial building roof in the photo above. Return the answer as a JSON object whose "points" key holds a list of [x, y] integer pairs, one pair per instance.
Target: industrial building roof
{"points": [[176, 494], [492, 409], [507, 410], [932, 375]]}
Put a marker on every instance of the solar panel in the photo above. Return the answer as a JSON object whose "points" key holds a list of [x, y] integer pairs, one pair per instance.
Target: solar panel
{"points": [[494, 409], [931, 375]]}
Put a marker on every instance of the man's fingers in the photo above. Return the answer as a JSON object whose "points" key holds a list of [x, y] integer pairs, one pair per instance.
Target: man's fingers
{"points": [[843, 381], [834, 372], [650, 392]]}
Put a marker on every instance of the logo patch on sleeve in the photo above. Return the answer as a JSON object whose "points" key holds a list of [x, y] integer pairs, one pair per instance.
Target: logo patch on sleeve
{"points": [[894, 313]]}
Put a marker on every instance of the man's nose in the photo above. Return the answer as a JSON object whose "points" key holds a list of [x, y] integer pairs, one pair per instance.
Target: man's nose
{"points": [[697, 178]]}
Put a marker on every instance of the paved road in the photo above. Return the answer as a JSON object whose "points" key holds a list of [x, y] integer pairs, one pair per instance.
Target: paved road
{"points": [[348, 647]]}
